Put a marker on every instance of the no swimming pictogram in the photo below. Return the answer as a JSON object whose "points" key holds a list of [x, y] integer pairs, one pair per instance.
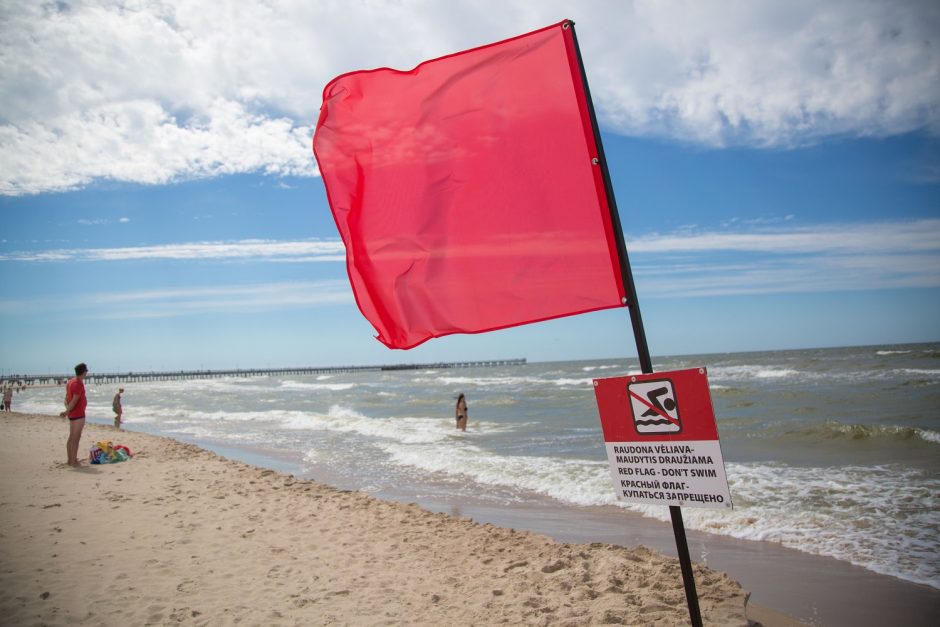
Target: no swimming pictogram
{"points": [[654, 407]]}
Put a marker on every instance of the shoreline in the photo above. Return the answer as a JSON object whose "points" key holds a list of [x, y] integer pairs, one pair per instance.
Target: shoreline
{"points": [[181, 534], [799, 586], [786, 587], [802, 587]]}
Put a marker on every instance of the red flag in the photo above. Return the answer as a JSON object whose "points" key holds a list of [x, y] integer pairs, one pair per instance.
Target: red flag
{"points": [[465, 192]]}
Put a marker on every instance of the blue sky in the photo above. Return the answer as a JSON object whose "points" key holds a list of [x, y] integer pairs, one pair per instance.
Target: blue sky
{"points": [[777, 173]]}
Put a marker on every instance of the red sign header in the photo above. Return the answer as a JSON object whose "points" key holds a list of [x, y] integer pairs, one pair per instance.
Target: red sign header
{"points": [[674, 406]]}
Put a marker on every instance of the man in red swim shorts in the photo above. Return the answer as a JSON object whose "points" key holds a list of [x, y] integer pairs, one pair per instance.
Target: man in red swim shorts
{"points": [[75, 402]]}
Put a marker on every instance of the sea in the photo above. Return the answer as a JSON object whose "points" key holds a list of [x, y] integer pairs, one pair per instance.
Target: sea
{"points": [[834, 451]]}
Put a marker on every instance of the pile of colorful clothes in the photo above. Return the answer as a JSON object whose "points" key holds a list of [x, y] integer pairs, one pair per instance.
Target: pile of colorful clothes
{"points": [[104, 452]]}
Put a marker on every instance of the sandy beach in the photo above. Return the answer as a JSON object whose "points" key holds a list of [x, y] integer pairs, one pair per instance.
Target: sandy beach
{"points": [[182, 535]]}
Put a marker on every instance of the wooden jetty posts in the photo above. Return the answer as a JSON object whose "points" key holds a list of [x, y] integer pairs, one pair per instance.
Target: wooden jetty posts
{"points": [[25, 380]]}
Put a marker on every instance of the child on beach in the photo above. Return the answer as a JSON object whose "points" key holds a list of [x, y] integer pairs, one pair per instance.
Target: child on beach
{"points": [[118, 410]]}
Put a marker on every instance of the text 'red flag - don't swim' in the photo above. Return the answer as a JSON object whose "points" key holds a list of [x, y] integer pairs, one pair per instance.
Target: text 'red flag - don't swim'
{"points": [[465, 191]]}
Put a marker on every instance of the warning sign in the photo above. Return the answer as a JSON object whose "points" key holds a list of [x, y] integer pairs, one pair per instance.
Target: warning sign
{"points": [[661, 438]]}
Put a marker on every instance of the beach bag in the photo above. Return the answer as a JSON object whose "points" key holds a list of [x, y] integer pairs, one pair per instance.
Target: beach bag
{"points": [[97, 456], [105, 452]]}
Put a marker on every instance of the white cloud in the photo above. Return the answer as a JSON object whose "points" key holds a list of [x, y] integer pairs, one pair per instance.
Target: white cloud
{"points": [[246, 250], [771, 73], [220, 299], [101, 221], [789, 275], [865, 238], [155, 91], [139, 141], [788, 258], [185, 301], [824, 258]]}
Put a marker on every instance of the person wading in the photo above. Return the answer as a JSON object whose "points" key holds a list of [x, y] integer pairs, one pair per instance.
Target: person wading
{"points": [[118, 409], [461, 413]]}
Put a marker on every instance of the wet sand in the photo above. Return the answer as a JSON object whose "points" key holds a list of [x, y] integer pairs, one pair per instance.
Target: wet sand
{"points": [[798, 586]]}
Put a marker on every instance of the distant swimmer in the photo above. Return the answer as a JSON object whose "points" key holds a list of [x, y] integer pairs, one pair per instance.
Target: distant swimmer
{"points": [[461, 413]]}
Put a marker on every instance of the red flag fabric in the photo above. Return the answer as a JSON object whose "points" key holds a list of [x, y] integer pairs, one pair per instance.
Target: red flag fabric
{"points": [[465, 192]]}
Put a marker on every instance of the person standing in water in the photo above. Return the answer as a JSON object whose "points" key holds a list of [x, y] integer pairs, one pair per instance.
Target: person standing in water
{"points": [[461, 412], [118, 410]]}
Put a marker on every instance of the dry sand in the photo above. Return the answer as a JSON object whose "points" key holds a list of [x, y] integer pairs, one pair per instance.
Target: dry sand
{"points": [[181, 535]]}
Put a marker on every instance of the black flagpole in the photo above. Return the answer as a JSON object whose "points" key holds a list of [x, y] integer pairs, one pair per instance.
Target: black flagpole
{"points": [[642, 348]]}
